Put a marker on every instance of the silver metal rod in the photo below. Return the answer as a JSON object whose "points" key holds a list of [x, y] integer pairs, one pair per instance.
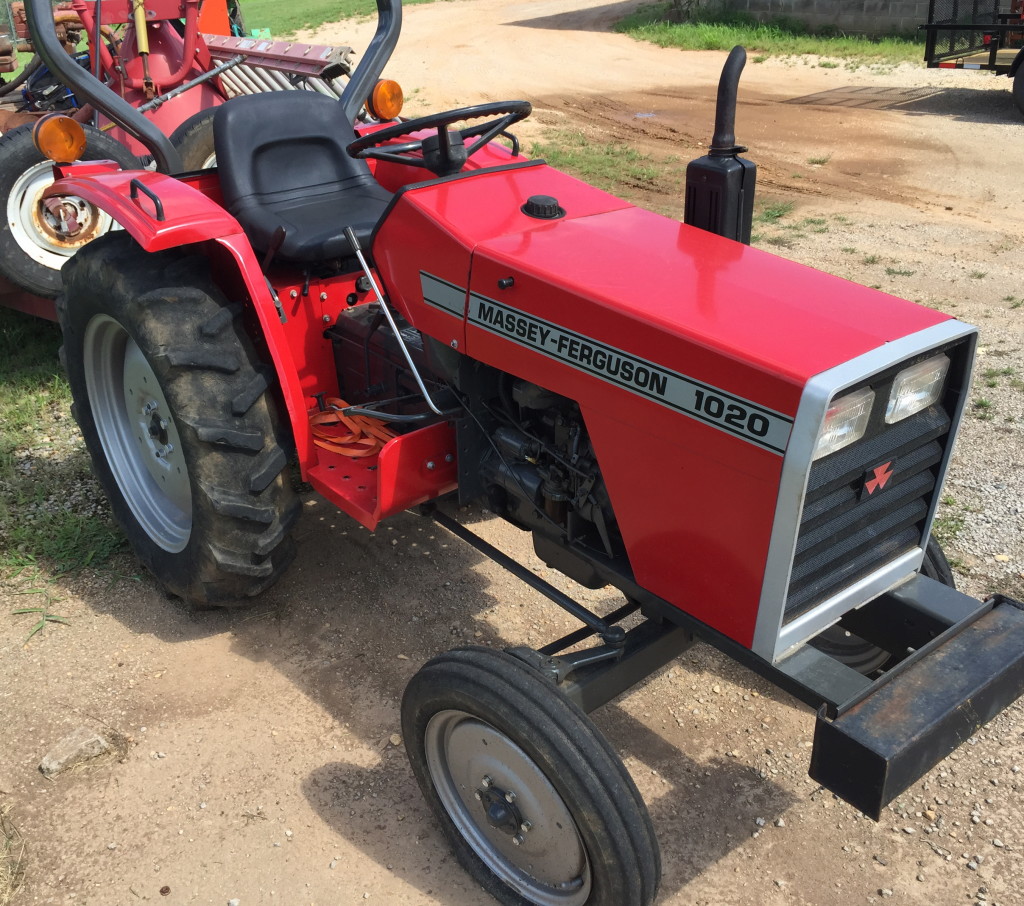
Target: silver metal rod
{"points": [[354, 242], [181, 89]]}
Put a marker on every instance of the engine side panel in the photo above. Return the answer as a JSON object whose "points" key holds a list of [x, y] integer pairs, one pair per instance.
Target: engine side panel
{"points": [[688, 365]]}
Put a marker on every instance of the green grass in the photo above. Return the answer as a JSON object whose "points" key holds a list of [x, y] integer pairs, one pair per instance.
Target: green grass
{"points": [[949, 521], [30, 381], [287, 18], [605, 165], [773, 211], [41, 456], [719, 29]]}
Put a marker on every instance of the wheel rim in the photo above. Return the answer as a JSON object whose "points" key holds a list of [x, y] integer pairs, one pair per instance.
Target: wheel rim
{"points": [[50, 232], [138, 434], [851, 650], [531, 843]]}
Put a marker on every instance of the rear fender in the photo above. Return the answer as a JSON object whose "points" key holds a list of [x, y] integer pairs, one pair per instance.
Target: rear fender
{"points": [[161, 212]]}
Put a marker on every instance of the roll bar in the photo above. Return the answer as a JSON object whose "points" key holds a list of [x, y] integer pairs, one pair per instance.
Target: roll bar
{"points": [[39, 14], [385, 39]]}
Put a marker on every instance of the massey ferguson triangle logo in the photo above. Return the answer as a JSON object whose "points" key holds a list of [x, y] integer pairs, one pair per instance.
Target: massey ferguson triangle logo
{"points": [[877, 478]]}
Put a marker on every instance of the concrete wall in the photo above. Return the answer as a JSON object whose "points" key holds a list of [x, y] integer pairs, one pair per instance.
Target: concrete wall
{"points": [[869, 17]]}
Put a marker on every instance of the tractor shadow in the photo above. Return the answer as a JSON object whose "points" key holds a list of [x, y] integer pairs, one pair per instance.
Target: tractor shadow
{"points": [[348, 626]]}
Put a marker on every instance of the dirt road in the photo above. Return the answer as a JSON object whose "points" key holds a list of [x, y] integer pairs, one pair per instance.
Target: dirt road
{"points": [[261, 760]]}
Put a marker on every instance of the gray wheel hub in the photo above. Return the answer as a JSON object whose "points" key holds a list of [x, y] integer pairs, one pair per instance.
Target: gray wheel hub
{"points": [[138, 434], [507, 809]]}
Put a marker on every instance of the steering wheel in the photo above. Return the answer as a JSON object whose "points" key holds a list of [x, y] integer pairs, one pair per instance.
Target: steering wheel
{"points": [[445, 152]]}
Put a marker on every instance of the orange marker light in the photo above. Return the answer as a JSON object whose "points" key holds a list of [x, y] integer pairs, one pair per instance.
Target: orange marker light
{"points": [[59, 138], [386, 100]]}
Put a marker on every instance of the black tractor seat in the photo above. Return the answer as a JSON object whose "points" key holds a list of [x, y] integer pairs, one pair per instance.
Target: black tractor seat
{"points": [[282, 163]]}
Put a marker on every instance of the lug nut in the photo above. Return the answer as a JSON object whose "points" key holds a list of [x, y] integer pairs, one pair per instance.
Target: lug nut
{"points": [[486, 782], [478, 795], [510, 797], [525, 827], [151, 407], [518, 839]]}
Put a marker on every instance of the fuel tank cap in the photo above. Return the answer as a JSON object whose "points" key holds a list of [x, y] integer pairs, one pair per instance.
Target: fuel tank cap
{"points": [[543, 207]]}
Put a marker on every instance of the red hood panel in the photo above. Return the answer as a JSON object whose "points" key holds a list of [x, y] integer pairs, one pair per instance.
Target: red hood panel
{"points": [[638, 268]]}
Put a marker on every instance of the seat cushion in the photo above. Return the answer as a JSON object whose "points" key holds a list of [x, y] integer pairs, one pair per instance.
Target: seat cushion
{"points": [[282, 163]]}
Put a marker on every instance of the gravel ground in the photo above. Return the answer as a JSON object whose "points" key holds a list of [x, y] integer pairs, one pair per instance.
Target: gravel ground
{"points": [[264, 762]]}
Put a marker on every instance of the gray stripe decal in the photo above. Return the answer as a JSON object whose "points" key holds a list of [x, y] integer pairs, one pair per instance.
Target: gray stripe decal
{"points": [[733, 414], [442, 294]]}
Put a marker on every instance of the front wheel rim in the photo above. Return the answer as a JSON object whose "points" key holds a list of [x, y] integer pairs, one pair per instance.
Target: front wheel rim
{"points": [[507, 810], [139, 437]]}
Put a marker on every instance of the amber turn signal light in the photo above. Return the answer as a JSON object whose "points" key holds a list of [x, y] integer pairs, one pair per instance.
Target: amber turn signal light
{"points": [[386, 100], [59, 138]]}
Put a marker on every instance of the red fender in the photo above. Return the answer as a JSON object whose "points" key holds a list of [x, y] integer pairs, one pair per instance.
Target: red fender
{"points": [[163, 212]]}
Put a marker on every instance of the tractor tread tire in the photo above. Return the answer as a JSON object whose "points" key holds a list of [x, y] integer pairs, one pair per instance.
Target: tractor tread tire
{"points": [[242, 502], [502, 691], [193, 140], [18, 155]]}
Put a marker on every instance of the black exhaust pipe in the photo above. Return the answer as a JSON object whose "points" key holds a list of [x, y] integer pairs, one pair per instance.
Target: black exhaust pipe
{"points": [[720, 185]]}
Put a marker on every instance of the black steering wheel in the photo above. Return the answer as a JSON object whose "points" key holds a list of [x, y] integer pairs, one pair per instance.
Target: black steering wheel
{"points": [[445, 152]]}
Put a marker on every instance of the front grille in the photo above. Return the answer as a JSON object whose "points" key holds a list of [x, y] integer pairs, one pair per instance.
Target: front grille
{"points": [[846, 534]]}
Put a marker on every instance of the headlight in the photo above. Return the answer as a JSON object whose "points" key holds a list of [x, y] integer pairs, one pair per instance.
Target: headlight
{"points": [[916, 388], [845, 422]]}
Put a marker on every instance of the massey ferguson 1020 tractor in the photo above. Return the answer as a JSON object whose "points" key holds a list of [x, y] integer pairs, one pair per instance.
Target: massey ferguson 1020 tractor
{"points": [[749, 450]]}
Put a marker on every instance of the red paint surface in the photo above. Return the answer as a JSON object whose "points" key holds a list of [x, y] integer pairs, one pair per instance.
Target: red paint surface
{"points": [[695, 504]]}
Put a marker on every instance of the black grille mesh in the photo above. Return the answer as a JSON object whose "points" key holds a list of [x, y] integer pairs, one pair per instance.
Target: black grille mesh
{"points": [[975, 16]]}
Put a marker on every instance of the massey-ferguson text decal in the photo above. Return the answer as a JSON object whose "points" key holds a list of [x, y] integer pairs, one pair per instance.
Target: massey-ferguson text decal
{"points": [[725, 411]]}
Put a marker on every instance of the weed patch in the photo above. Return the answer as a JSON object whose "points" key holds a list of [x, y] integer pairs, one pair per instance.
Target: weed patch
{"points": [[721, 29], [602, 164], [12, 857]]}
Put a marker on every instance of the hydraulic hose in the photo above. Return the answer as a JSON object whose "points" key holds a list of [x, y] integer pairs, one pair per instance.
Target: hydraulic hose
{"points": [[30, 67]]}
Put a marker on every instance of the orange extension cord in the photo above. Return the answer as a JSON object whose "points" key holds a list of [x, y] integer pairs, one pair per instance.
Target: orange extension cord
{"points": [[350, 435]]}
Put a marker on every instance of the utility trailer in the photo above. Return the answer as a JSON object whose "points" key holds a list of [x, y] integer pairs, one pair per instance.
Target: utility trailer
{"points": [[749, 450], [977, 34]]}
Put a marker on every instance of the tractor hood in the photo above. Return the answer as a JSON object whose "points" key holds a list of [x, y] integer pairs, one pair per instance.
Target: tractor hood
{"points": [[609, 273]]}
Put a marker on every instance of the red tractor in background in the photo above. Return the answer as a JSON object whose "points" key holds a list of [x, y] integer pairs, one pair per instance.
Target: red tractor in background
{"points": [[174, 60], [418, 314]]}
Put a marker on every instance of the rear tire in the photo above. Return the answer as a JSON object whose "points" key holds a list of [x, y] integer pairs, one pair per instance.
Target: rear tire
{"points": [[1018, 89], [501, 754], [174, 407], [34, 243], [194, 141]]}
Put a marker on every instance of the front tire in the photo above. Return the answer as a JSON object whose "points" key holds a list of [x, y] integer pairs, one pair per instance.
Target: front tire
{"points": [[862, 655], [174, 407], [1018, 89], [36, 239], [533, 800]]}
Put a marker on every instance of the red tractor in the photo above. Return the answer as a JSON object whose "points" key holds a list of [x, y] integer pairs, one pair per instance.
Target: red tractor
{"points": [[749, 450]]}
